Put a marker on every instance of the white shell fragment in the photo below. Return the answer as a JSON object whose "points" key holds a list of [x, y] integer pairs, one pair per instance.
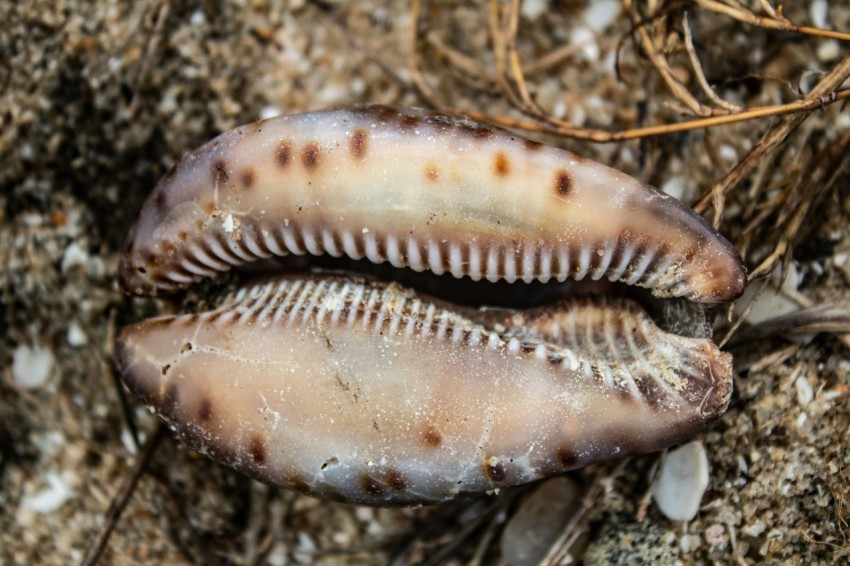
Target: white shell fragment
{"points": [[682, 482], [366, 392]]}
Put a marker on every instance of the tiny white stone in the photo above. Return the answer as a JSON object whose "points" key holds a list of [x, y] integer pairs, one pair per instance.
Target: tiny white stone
{"points": [[198, 18], [817, 12], [805, 393], [771, 302], [682, 482], [227, 225], [76, 335], [539, 520], [689, 543], [533, 9], [601, 13], [728, 152], [31, 366], [829, 50], [51, 498], [583, 36], [278, 555], [75, 255], [306, 551], [675, 187], [267, 112]]}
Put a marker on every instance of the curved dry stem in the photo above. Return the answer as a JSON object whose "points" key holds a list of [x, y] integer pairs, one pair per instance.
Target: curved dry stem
{"points": [[772, 21]]}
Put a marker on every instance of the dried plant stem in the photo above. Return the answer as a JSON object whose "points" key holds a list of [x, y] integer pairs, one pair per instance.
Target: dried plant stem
{"points": [[122, 498], [825, 92], [656, 56], [772, 22], [692, 55], [557, 127]]}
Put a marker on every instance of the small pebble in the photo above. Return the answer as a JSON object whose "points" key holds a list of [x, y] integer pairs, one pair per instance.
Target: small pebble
{"points": [[31, 367], [533, 9], [771, 302], [682, 482], [817, 12], [49, 499], [689, 543], [75, 255], [531, 532], [805, 393], [829, 50], [267, 112], [675, 187], [601, 13], [584, 37], [76, 335]]}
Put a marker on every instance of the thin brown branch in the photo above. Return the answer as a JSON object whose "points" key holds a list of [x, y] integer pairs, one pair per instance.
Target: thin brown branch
{"points": [[656, 56], [558, 127], [122, 498], [414, 58], [834, 319], [769, 22], [516, 67], [697, 66]]}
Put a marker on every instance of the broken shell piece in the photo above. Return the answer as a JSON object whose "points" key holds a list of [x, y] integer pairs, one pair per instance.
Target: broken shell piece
{"points": [[419, 190], [367, 393]]}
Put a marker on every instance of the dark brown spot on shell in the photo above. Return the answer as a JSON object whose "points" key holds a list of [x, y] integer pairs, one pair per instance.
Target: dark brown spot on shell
{"points": [[205, 409], [171, 397], [432, 173], [501, 164], [182, 235], [171, 172], [283, 153], [159, 199], [410, 122], [478, 132], [328, 491], [257, 450], [495, 471], [563, 182], [247, 177], [220, 174], [395, 480], [385, 113], [358, 145], [532, 145], [371, 486], [299, 484], [567, 458], [310, 155], [432, 437]]}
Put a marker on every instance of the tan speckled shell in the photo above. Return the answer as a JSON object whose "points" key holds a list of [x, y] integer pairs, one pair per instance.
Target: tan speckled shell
{"points": [[419, 190]]}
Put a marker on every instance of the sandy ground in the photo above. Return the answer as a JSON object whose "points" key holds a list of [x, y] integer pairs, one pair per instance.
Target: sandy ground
{"points": [[98, 100]]}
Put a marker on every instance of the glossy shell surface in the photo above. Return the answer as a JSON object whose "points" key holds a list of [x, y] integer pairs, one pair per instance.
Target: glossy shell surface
{"points": [[366, 392]]}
